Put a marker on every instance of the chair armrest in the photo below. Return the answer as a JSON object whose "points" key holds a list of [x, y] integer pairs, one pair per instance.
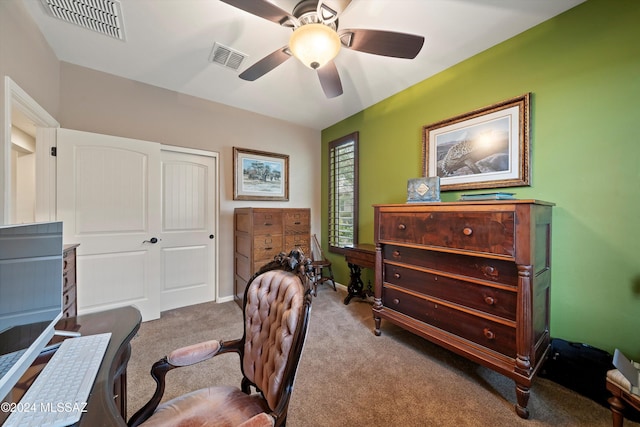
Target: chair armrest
{"points": [[193, 354], [184, 356]]}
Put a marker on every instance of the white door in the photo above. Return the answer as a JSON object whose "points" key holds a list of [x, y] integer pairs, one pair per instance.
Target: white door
{"points": [[189, 270], [108, 197], [145, 217]]}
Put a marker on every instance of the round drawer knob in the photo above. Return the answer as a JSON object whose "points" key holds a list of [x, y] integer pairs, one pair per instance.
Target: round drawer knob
{"points": [[489, 300], [467, 231], [402, 227], [488, 333], [396, 275], [396, 301], [396, 254]]}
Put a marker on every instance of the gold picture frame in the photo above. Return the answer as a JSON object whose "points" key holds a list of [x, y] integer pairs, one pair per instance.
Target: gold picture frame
{"points": [[486, 148]]}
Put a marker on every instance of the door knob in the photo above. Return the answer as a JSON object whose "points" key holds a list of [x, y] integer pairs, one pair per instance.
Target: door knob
{"points": [[152, 240]]}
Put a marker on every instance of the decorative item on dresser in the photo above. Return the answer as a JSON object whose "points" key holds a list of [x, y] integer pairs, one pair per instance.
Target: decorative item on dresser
{"points": [[473, 277], [69, 282], [262, 233]]}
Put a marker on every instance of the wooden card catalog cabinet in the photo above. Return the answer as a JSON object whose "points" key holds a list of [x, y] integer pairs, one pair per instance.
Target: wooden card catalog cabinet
{"points": [[473, 277], [262, 233]]}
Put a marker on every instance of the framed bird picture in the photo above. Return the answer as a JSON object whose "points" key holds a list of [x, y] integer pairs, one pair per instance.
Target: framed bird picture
{"points": [[486, 148]]}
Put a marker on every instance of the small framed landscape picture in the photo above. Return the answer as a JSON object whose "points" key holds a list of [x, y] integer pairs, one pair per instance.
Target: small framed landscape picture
{"points": [[259, 175], [486, 148]]}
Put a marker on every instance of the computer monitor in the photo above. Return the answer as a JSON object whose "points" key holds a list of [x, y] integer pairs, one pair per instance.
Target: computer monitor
{"points": [[30, 295]]}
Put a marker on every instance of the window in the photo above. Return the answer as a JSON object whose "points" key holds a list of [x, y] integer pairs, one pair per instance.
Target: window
{"points": [[343, 192]]}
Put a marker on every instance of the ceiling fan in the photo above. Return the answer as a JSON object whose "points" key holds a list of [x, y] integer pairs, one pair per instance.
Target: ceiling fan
{"points": [[316, 39]]}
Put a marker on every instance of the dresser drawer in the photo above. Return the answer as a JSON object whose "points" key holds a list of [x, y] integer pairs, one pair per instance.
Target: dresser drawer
{"points": [[494, 270], [493, 335], [495, 301], [489, 232]]}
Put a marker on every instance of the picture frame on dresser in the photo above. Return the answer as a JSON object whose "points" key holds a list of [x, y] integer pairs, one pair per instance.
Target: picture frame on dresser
{"points": [[485, 148], [260, 175]]}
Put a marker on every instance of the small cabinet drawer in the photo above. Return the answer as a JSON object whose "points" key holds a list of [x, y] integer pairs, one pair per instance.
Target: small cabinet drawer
{"points": [[297, 221], [266, 247], [493, 335], [267, 222], [68, 299], [68, 261], [298, 241], [489, 232], [495, 301], [493, 270], [68, 281]]}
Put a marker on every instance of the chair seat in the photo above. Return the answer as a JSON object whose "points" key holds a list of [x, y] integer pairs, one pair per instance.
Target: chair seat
{"points": [[208, 407], [623, 401]]}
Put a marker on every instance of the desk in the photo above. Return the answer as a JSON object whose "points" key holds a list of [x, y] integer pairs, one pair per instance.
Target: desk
{"points": [[107, 405], [357, 257]]}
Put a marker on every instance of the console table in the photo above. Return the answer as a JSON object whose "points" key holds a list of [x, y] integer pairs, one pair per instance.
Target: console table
{"points": [[357, 257], [107, 405]]}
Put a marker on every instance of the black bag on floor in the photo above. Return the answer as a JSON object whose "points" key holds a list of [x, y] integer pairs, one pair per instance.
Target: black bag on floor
{"points": [[579, 367]]}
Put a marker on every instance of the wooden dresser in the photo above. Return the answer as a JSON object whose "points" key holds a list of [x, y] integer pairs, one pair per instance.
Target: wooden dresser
{"points": [[473, 277], [262, 233], [69, 282]]}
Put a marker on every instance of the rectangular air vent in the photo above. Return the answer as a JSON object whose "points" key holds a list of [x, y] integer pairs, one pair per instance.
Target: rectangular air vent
{"points": [[226, 56], [102, 16]]}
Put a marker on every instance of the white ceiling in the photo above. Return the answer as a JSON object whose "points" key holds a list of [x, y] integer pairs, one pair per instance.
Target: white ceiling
{"points": [[168, 43]]}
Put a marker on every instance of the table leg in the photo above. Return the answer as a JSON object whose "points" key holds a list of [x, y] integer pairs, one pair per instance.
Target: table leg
{"points": [[356, 287]]}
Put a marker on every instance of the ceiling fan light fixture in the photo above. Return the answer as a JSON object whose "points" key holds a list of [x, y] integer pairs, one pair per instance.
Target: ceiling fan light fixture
{"points": [[314, 44]]}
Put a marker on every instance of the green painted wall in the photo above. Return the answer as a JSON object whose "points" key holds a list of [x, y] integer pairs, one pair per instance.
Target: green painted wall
{"points": [[583, 70]]}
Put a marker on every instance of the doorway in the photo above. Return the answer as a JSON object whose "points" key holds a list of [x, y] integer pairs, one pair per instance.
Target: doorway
{"points": [[29, 165]]}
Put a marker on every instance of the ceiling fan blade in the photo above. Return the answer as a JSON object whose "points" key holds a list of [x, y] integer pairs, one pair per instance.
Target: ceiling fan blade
{"points": [[263, 9], [266, 64], [385, 43], [329, 10], [330, 80]]}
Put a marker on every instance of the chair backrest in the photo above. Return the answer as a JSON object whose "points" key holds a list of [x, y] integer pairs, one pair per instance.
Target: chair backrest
{"points": [[277, 306], [316, 250]]}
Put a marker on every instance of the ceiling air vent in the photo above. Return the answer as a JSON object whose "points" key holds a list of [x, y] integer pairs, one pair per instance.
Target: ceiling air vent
{"points": [[226, 56], [102, 16]]}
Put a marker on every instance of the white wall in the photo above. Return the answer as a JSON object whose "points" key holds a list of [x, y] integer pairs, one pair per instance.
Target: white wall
{"points": [[97, 102], [84, 99]]}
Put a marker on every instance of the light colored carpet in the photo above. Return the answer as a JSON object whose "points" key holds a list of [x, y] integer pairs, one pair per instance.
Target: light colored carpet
{"points": [[350, 377]]}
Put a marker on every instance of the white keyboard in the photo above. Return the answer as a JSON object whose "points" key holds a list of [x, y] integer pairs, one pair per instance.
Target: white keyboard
{"points": [[7, 361], [58, 396]]}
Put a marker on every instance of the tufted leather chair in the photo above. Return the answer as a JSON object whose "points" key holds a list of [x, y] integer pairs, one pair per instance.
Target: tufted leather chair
{"points": [[277, 304]]}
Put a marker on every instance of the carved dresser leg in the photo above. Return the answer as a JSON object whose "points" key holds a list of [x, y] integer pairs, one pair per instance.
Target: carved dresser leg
{"points": [[522, 394]]}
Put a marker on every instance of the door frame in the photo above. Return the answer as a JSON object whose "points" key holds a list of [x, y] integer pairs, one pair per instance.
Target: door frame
{"points": [[16, 97]]}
